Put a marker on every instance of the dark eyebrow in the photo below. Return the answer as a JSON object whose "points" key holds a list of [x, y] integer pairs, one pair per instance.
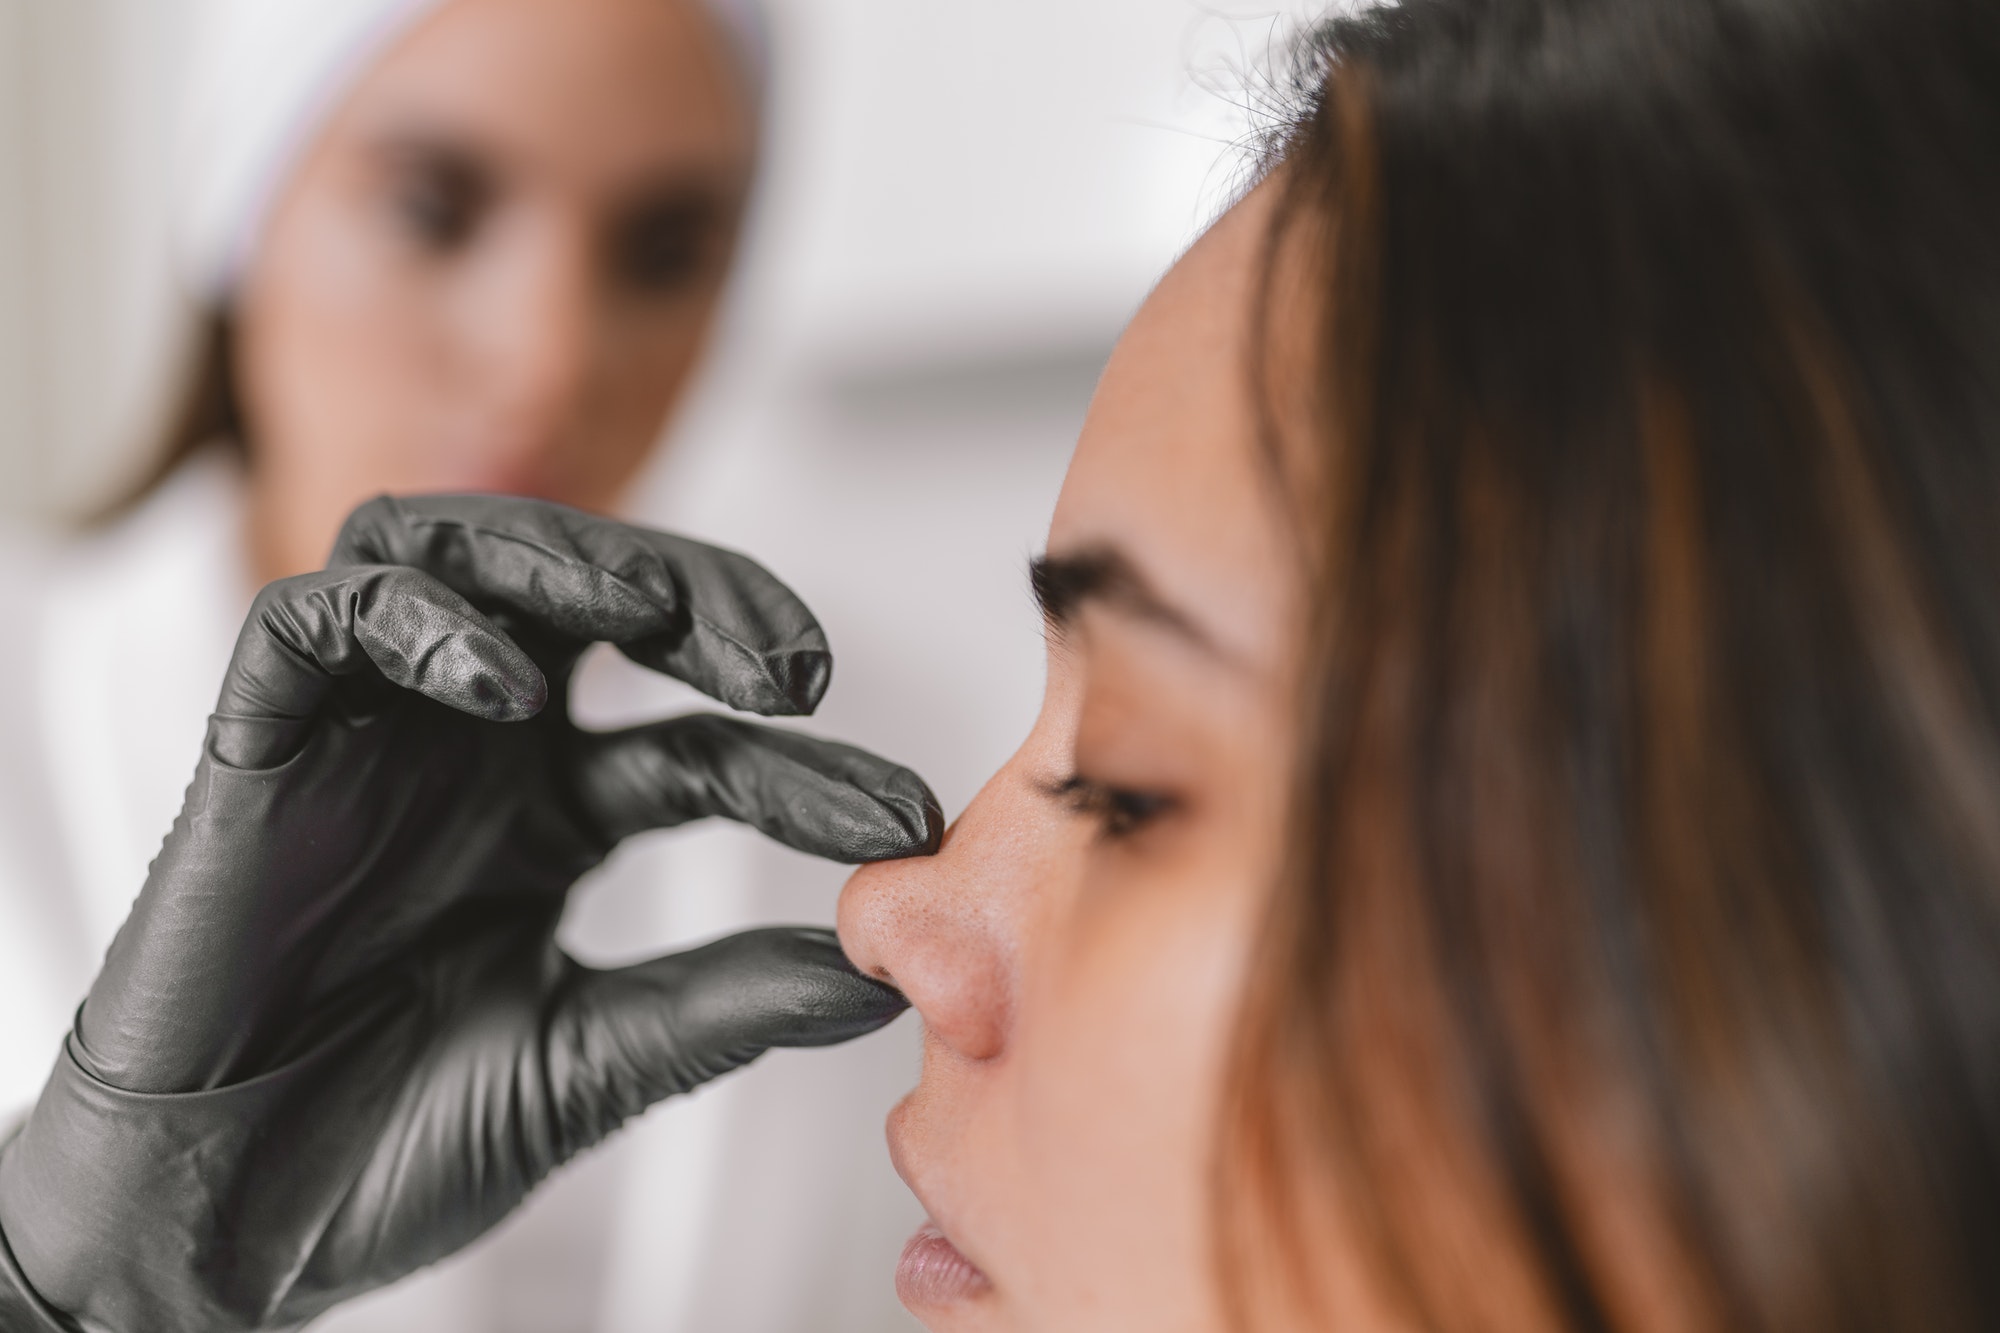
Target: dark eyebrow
{"points": [[1065, 584]]}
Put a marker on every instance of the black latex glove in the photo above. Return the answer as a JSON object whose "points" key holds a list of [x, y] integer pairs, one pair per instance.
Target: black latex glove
{"points": [[335, 1040]]}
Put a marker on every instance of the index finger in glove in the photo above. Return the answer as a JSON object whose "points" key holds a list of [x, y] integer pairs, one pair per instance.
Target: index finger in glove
{"points": [[303, 633], [715, 619], [820, 797]]}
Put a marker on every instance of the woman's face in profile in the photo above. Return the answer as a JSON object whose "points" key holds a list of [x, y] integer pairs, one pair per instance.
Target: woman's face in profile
{"points": [[1077, 948], [494, 268]]}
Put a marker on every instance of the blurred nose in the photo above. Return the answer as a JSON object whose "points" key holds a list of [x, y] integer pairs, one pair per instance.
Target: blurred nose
{"points": [[536, 331], [947, 930]]}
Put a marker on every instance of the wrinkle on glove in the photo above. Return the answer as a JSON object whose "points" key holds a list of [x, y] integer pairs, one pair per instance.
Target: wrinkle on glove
{"points": [[715, 619], [335, 1040]]}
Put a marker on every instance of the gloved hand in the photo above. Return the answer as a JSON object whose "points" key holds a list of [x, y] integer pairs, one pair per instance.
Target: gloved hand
{"points": [[335, 1040]]}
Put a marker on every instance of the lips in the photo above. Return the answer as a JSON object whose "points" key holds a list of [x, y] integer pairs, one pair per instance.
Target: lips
{"points": [[933, 1273]]}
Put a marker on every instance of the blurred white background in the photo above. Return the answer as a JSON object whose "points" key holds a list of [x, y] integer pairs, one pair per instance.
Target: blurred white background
{"points": [[963, 203], [952, 186]]}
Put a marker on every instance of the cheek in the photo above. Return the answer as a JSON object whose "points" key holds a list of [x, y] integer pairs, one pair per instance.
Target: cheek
{"points": [[1123, 1044], [343, 343], [329, 262], [644, 357]]}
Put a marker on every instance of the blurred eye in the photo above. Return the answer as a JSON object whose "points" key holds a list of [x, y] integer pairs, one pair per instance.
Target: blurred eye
{"points": [[438, 198], [1119, 812], [668, 244]]}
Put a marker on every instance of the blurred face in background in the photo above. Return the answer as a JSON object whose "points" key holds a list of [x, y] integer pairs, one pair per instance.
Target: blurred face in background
{"points": [[1077, 948], [495, 268]]}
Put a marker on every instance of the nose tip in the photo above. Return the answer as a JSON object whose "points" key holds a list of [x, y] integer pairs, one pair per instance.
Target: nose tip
{"points": [[858, 922], [913, 925]]}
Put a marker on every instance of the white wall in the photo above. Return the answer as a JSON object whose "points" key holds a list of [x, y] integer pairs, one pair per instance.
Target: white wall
{"points": [[87, 316]]}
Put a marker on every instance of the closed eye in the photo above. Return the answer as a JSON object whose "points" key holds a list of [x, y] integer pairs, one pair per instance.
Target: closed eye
{"points": [[1119, 812]]}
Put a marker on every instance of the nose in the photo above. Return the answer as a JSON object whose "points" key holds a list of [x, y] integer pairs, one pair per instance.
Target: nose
{"points": [[946, 930], [536, 329]]}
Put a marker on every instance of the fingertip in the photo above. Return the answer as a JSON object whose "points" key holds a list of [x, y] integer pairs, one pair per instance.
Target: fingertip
{"points": [[932, 825], [767, 683], [510, 698], [883, 1004], [504, 685], [358, 542], [824, 943], [853, 1003], [789, 986], [918, 814], [800, 679]]}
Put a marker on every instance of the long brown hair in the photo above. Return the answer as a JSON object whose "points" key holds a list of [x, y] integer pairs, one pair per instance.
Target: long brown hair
{"points": [[1639, 963]]}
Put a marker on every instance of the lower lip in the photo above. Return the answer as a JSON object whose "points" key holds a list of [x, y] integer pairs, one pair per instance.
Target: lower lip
{"points": [[934, 1273]]}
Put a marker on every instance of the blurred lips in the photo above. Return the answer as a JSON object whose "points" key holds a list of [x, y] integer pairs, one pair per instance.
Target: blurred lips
{"points": [[526, 481], [499, 462]]}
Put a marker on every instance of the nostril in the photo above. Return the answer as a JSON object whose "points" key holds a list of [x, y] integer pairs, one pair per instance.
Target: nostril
{"points": [[924, 926]]}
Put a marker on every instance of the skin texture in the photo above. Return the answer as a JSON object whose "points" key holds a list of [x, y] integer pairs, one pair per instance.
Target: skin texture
{"points": [[1076, 961], [496, 266]]}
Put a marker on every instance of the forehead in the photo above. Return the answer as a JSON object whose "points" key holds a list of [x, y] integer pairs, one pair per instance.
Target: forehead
{"points": [[1168, 468], [617, 80]]}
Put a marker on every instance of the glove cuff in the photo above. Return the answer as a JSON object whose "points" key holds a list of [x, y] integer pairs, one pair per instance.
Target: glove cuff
{"points": [[186, 1211]]}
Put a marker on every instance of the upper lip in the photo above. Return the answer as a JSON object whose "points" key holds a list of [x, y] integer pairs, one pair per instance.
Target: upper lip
{"points": [[901, 1156]]}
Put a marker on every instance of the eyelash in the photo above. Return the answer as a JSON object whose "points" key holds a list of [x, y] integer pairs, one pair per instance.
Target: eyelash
{"points": [[1119, 812]]}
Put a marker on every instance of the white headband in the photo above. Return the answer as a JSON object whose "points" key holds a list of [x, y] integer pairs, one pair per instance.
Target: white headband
{"points": [[265, 75]]}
